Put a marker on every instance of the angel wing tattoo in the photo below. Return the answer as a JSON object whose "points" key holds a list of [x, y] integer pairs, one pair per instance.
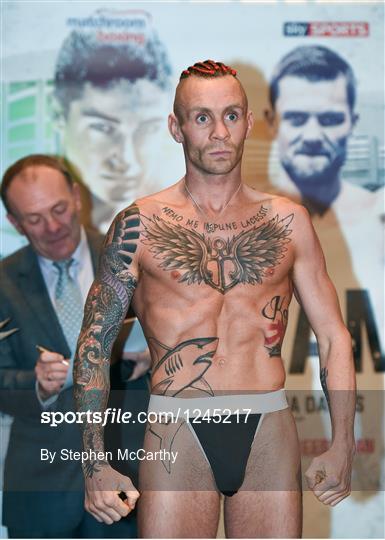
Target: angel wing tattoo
{"points": [[220, 263]]}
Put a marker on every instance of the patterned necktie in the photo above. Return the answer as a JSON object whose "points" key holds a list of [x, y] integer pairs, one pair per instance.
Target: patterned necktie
{"points": [[69, 309]]}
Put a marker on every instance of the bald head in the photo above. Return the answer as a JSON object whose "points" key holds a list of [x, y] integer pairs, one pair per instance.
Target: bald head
{"points": [[27, 167], [207, 70], [189, 88]]}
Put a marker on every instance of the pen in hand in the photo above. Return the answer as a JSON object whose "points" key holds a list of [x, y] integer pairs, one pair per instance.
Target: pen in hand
{"points": [[42, 349]]}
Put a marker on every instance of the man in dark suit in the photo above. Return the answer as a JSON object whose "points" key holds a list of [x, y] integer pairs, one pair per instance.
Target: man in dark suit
{"points": [[43, 289]]}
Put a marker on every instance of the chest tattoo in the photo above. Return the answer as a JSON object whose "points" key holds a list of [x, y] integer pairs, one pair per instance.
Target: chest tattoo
{"points": [[221, 263]]}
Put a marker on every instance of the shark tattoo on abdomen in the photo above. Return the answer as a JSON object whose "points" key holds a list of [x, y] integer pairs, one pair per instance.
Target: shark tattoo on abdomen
{"points": [[183, 366]]}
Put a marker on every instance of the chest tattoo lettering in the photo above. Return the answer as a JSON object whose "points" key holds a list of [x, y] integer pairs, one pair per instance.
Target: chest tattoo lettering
{"points": [[221, 263]]}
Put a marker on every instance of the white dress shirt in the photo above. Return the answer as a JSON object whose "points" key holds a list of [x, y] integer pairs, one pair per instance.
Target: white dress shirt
{"points": [[82, 272], [81, 269]]}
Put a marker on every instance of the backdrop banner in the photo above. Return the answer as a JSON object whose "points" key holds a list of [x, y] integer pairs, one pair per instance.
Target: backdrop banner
{"points": [[95, 82]]}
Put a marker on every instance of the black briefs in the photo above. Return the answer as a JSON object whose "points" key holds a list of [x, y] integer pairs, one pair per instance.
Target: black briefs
{"points": [[227, 447], [226, 444]]}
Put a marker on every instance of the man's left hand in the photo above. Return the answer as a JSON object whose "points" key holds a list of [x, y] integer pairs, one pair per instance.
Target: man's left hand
{"points": [[329, 475], [142, 363]]}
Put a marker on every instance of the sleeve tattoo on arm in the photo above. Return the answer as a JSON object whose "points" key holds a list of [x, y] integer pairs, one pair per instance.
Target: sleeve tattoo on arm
{"points": [[105, 309]]}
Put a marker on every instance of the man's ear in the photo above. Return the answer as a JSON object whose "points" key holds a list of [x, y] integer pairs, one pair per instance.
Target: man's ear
{"points": [[250, 122], [12, 219], [272, 121], [174, 128], [77, 196]]}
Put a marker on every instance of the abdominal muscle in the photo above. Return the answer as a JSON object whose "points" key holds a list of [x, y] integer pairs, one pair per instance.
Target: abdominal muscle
{"points": [[204, 349], [244, 374], [240, 371]]}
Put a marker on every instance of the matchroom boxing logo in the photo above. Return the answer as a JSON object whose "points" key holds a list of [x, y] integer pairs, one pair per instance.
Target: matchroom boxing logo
{"points": [[326, 29]]}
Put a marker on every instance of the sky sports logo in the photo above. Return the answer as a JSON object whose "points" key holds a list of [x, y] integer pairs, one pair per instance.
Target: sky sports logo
{"points": [[326, 29]]}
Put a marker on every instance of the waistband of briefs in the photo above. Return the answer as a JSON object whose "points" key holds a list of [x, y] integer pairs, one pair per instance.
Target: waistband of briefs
{"points": [[230, 404]]}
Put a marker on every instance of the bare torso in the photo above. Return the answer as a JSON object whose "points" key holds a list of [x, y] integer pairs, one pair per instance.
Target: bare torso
{"points": [[213, 297]]}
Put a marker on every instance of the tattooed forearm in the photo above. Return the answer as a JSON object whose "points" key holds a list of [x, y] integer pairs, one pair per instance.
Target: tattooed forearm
{"points": [[276, 311], [105, 309], [92, 466], [323, 377]]}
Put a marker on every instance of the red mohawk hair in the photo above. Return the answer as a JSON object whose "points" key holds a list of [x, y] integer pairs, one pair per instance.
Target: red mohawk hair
{"points": [[208, 69]]}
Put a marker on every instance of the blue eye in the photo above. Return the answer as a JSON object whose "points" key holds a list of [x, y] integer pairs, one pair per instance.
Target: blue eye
{"points": [[202, 119], [232, 116]]}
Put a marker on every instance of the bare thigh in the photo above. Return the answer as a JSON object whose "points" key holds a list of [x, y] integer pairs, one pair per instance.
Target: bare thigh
{"points": [[269, 503], [178, 500]]}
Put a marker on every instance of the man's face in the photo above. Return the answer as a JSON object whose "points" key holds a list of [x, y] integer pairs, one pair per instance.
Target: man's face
{"points": [[46, 210], [111, 133], [314, 124], [212, 123]]}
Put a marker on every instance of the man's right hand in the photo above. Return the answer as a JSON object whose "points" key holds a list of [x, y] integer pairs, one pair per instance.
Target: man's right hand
{"points": [[102, 498], [51, 372]]}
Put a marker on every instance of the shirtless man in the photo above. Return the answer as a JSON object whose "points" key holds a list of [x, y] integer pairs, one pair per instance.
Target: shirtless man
{"points": [[210, 266]]}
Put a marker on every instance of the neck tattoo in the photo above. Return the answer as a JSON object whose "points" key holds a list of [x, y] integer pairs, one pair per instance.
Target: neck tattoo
{"points": [[210, 226]]}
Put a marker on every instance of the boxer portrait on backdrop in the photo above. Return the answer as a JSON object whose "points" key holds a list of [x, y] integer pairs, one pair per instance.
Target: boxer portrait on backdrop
{"points": [[111, 101], [312, 116]]}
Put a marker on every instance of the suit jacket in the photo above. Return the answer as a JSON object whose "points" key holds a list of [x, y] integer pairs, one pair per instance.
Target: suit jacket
{"points": [[27, 478]]}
